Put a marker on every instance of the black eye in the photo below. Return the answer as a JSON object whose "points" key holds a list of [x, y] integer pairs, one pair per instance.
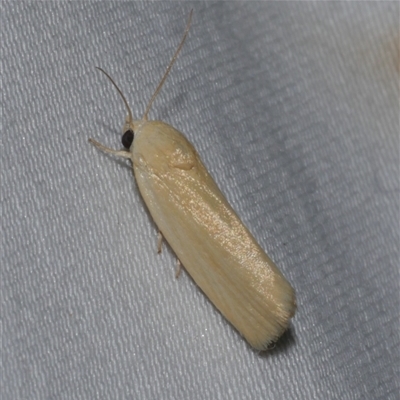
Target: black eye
{"points": [[127, 139]]}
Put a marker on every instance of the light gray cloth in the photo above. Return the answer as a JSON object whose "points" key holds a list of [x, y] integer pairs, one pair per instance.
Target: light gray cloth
{"points": [[294, 109]]}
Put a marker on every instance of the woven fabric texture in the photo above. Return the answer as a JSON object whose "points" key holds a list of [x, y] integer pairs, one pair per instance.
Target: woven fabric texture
{"points": [[294, 109]]}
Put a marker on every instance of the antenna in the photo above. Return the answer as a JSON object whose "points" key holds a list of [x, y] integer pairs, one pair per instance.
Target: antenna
{"points": [[168, 68], [130, 118]]}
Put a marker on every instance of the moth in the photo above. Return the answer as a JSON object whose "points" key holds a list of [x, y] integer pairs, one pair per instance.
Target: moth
{"points": [[203, 230]]}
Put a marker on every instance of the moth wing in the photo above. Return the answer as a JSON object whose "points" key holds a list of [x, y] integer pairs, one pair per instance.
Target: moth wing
{"points": [[208, 237]]}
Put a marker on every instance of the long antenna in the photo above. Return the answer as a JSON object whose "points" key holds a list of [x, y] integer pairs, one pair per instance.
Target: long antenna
{"points": [[169, 67], [130, 118]]}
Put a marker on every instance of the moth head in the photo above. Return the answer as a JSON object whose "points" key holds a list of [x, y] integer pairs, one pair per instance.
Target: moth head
{"points": [[128, 130]]}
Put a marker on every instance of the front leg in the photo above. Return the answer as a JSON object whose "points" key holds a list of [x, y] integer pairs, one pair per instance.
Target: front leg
{"points": [[119, 153]]}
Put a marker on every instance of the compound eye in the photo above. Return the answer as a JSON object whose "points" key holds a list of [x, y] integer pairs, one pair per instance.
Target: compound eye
{"points": [[127, 138]]}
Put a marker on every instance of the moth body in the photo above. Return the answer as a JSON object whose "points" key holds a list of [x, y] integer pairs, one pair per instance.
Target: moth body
{"points": [[208, 237]]}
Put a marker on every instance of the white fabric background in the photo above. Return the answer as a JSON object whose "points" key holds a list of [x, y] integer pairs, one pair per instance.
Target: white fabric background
{"points": [[294, 108]]}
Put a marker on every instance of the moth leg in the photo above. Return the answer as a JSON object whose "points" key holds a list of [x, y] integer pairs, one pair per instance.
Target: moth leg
{"points": [[119, 153], [178, 268], [159, 241]]}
